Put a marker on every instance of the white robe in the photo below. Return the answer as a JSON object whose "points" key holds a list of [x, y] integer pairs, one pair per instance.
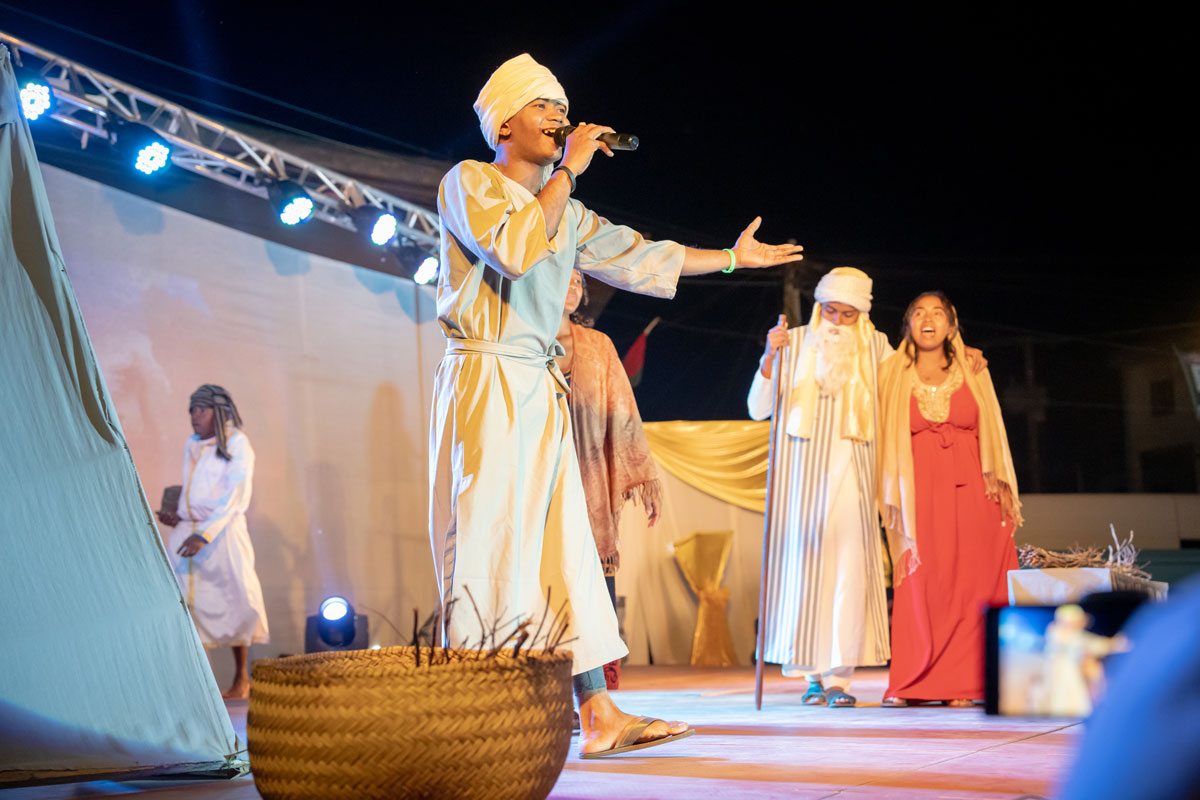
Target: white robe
{"points": [[508, 518], [826, 603], [219, 582]]}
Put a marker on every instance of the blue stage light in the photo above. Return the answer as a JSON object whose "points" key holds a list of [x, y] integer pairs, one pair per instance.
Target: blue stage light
{"points": [[298, 210], [334, 608], [152, 158], [335, 626], [142, 147], [427, 272], [292, 203], [385, 229], [379, 226], [36, 99], [417, 262]]}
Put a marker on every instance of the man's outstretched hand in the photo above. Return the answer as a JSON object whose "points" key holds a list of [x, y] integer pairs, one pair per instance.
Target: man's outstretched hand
{"points": [[749, 252]]}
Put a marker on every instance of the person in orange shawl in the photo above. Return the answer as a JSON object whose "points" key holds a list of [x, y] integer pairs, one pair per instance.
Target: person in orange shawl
{"points": [[948, 497], [614, 456]]}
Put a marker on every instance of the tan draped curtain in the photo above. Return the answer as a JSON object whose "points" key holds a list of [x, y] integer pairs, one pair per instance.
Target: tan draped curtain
{"points": [[724, 458]]}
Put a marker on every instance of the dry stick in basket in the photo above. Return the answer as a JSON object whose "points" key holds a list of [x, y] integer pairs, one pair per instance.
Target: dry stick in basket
{"points": [[495, 625], [444, 631], [437, 616], [563, 630], [565, 642], [521, 639], [478, 616], [554, 623], [545, 613], [416, 636], [520, 629]]}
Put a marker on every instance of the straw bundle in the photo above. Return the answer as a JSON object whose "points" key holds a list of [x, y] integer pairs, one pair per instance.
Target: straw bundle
{"points": [[1120, 557]]}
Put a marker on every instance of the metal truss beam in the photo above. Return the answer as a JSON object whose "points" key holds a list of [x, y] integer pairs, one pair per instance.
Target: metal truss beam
{"points": [[91, 102]]}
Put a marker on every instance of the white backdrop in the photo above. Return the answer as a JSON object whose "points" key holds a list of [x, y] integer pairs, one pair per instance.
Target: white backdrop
{"points": [[660, 614], [330, 366]]}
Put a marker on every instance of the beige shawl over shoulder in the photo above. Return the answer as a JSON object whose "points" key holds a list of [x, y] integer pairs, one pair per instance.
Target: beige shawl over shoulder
{"points": [[897, 498]]}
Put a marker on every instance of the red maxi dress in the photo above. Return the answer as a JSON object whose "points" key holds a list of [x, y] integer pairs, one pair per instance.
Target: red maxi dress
{"points": [[965, 553]]}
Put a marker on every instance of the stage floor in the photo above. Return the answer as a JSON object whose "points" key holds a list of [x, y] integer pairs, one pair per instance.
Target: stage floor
{"points": [[785, 750]]}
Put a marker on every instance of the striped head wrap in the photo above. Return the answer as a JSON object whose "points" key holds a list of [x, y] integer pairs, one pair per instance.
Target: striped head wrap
{"points": [[225, 413]]}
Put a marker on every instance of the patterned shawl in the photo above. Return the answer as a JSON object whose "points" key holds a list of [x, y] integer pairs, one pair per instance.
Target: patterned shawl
{"points": [[614, 457]]}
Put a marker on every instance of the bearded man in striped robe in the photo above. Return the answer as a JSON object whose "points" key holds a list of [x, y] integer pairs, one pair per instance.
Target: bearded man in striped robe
{"points": [[826, 605]]}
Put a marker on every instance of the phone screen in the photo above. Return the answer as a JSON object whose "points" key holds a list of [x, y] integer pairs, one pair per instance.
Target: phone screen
{"points": [[1050, 661]]}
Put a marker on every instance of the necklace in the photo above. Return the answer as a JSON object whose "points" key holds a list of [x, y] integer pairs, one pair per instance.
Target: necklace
{"points": [[934, 401]]}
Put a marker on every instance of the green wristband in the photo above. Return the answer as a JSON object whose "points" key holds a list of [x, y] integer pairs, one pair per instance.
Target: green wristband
{"points": [[732, 261]]}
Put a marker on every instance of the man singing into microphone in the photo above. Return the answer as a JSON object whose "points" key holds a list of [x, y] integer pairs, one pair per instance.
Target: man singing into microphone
{"points": [[508, 516]]}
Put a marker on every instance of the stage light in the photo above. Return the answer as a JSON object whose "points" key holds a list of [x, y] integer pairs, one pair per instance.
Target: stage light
{"points": [[427, 272], [142, 148], [292, 203], [36, 98], [152, 157], [380, 226], [418, 263], [335, 626], [334, 609]]}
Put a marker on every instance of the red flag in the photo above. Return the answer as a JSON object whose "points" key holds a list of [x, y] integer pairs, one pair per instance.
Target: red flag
{"points": [[635, 356]]}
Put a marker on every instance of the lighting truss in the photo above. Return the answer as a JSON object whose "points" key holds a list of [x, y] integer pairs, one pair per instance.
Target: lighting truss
{"points": [[90, 102]]}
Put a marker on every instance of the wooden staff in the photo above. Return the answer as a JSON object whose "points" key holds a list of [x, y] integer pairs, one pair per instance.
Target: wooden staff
{"points": [[777, 376]]}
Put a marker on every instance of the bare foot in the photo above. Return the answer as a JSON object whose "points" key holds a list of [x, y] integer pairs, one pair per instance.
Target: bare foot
{"points": [[239, 691], [602, 722]]}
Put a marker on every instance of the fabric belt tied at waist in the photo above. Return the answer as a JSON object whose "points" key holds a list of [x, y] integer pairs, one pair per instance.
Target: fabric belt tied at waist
{"points": [[956, 440], [523, 355]]}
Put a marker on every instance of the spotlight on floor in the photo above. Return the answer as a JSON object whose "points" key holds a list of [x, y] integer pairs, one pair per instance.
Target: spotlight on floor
{"points": [[418, 263], [291, 202], [142, 148], [380, 226], [37, 98], [335, 626]]}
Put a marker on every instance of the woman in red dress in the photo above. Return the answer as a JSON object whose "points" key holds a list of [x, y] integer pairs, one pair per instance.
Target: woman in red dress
{"points": [[948, 495]]}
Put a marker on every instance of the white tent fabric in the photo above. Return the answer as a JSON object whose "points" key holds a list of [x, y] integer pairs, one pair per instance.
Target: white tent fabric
{"points": [[100, 667]]}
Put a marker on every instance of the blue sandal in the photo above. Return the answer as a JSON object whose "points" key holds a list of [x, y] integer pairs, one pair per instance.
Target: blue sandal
{"points": [[836, 698], [815, 695]]}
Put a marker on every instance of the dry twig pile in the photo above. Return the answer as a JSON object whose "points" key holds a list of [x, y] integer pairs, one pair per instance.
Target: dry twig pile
{"points": [[1120, 557]]}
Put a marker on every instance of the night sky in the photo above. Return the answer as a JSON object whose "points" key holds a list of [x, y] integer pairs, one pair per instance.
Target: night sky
{"points": [[1040, 167]]}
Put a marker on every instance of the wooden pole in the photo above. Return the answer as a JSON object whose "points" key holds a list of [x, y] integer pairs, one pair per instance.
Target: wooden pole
{"points": [[777, 376]]}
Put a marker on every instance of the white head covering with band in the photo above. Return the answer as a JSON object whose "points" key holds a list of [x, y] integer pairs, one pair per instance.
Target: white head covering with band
{"points": [[846, 285], [513, 85], [852, 287]]}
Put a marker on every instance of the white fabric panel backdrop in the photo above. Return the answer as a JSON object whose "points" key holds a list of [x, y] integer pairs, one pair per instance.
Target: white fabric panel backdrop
{"points": [[328, 363], [660, 608]]}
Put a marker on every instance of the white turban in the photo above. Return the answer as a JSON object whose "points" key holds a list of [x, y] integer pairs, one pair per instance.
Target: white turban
{"points": [[846, 285], [513, 85]]}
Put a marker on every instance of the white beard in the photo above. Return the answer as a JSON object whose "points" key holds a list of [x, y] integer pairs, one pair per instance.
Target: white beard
{"points": [[837, 350]]}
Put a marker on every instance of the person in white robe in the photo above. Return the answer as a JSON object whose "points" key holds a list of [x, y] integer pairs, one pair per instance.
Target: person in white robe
{"points": [[209, 545], [826, 605], [508, 517]]}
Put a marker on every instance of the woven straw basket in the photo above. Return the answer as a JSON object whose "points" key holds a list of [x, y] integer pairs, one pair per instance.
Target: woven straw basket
{"points": [[372, 724]]}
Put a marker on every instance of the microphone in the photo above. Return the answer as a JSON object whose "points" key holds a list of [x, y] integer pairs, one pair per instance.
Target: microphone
{"points": [[615, 141]]}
